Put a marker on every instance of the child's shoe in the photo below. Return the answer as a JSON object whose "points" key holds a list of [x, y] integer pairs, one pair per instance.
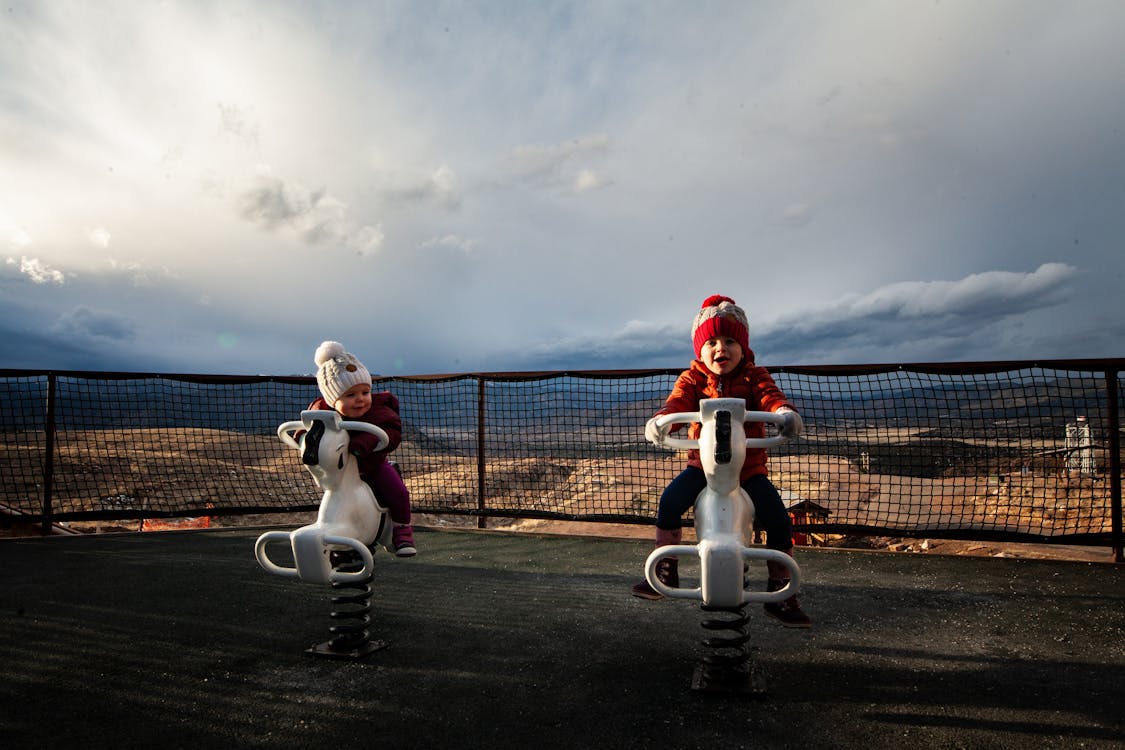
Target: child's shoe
{"points": [[667, 572], [788, 611], [402, 537]]}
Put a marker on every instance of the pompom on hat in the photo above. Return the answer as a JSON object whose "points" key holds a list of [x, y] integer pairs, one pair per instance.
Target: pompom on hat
{"points": [[720, 316], [338, 370]]}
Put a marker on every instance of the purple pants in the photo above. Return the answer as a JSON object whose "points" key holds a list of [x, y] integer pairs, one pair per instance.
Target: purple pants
{"points": [[390, 492]]}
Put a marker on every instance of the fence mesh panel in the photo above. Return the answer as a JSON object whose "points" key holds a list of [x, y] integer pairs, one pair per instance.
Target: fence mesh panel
{"points": [[948, 452], [23, 451], [1014, 450]]}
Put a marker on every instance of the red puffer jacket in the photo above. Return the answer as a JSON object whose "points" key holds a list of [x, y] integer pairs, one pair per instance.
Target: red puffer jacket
{"points": [[749, 382]]}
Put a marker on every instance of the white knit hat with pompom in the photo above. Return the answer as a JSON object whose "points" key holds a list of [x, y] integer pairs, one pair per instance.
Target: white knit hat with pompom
{"points": [[338, 370]]}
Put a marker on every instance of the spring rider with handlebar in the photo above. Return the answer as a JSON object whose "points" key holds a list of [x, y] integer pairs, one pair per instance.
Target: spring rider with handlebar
{"points": [[724, 518], [335, 549]]}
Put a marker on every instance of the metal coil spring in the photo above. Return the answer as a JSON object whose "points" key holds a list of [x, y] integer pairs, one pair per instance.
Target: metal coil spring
{"points": [[729, 655], [351, 607]]}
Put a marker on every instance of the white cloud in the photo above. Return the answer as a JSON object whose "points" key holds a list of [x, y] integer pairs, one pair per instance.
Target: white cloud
{"points": [[439, 188], [588, 179], [18, 238], [99, 237], [641, 343], [38, 271], [462, 245], [981, 296], [554, 164], [313, 215], [235, 122], [139, 273], [444, 187], [975, 317]]}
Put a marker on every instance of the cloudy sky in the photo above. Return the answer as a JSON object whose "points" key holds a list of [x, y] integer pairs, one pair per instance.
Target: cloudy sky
{"points": [[216, 187]]}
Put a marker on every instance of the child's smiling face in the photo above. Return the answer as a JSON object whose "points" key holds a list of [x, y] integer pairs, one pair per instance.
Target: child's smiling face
{"points": [[721, 354], [355, 401]]}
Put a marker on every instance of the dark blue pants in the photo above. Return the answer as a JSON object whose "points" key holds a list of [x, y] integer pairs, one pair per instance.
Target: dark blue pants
{"points": [[769, 510]]}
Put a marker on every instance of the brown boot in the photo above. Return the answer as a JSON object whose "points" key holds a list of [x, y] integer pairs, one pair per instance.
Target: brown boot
{"points": [[788, 611], [667, 569], [667, 572]]}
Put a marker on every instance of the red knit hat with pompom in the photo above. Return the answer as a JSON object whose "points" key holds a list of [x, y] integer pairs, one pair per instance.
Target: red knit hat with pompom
{"points": [[720, 316]]}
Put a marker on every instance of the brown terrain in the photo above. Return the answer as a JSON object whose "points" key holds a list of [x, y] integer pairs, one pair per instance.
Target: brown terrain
{"points": [[138, 469]]}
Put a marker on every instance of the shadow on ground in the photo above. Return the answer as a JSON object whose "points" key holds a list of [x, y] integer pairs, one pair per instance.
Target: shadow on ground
{"points": [[182, 640]]}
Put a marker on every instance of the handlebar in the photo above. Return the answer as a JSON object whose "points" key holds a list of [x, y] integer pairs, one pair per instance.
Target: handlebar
{"points": [[310, 415], [665, 421], [711, 591], [315, 567]]}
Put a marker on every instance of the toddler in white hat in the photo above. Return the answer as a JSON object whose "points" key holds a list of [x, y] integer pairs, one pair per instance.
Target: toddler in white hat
{"points": [[345, 387]]}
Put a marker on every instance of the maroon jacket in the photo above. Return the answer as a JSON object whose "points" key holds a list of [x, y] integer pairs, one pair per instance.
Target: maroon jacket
{"points": [[749, 382], [384, 414]]}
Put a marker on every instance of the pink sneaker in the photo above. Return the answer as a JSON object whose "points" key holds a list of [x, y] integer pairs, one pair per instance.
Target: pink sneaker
{"points": [[403, 539]]}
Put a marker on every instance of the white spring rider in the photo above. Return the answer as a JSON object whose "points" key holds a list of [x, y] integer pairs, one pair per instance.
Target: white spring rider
{"points": [[724, 520], [724, 514], [349, 523]]}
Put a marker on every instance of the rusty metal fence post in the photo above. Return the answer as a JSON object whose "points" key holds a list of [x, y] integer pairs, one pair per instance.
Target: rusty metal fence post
{"points": [[49, 454], [1114, 428], [482, 519]]}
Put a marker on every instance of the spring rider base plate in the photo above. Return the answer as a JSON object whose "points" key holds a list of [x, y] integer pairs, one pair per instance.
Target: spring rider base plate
{"points": [[325, 650], [749, 681]]}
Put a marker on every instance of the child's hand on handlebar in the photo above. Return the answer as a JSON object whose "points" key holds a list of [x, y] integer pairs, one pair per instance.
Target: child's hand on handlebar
{"points": [[652, 432], [793, 423]]}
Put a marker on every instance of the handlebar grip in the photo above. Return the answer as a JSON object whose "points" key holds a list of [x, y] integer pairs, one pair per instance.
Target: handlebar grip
{"points": [[772, 555], [664, 424], [314, 415], [336, 575], [771, 417], [767, 417], [339, 576], [264, 558], [667, 551], [375, 430], [283, 431], [665, 421]]}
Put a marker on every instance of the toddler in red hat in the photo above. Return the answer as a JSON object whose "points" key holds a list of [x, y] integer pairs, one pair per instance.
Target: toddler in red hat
{"points": [[724, 368]]}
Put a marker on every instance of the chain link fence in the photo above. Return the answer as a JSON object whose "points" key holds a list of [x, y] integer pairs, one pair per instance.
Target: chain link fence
{"points": [[1018, 451]]}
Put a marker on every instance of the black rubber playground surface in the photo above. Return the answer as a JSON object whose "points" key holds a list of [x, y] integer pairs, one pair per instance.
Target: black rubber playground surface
{"points": [[495, 640]]}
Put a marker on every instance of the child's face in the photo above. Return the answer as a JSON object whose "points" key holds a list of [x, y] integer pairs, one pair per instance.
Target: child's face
{"points": [[355, 401], [721, 355]]}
